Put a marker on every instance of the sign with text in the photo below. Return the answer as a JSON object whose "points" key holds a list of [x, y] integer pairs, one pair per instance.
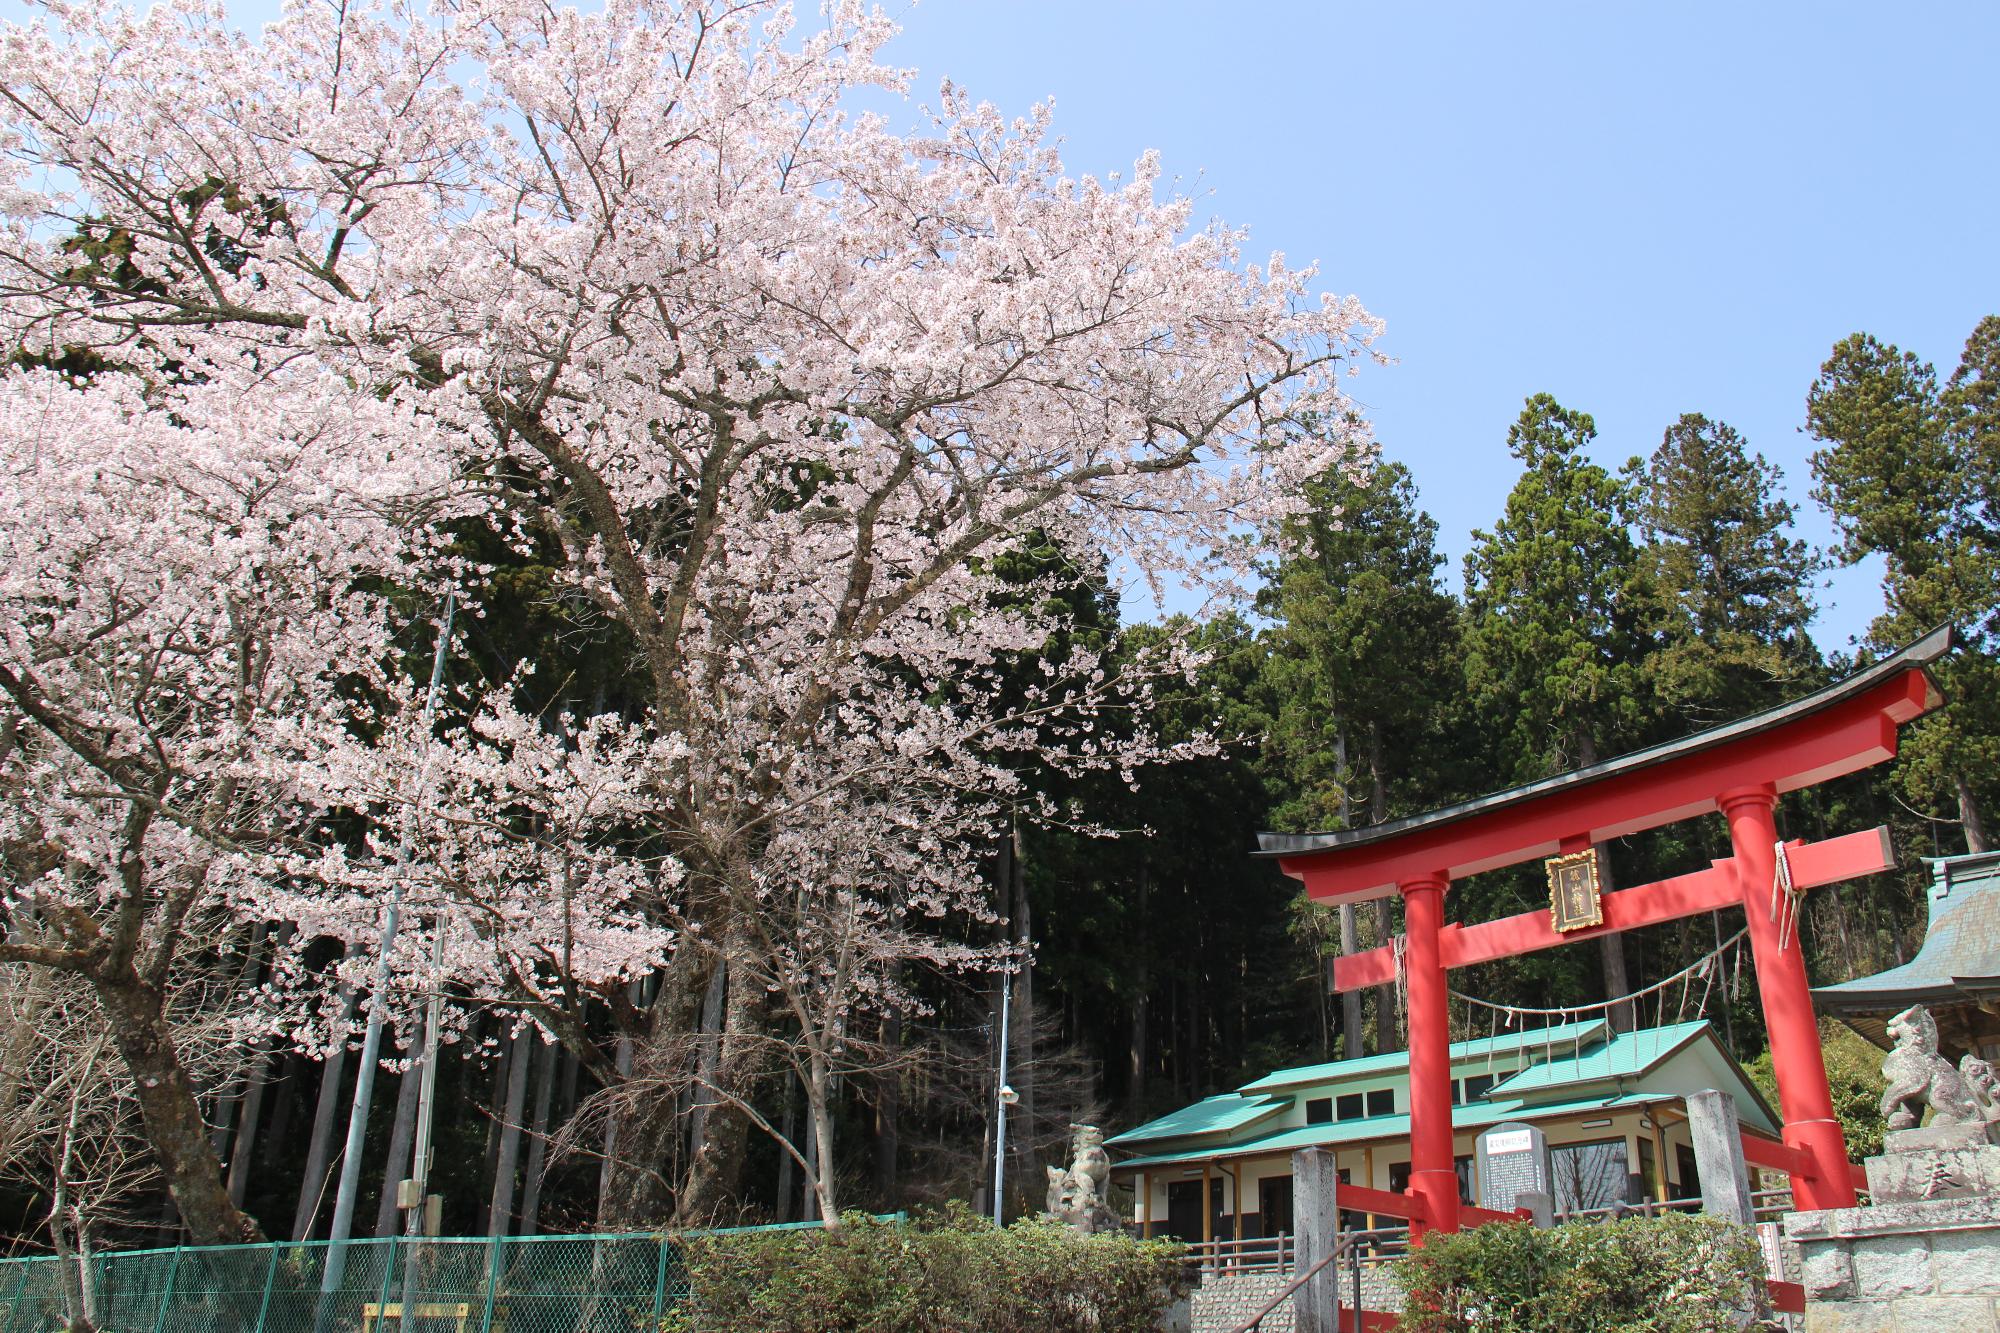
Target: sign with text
{"points": [[1576, 899], [1513, 1160]]}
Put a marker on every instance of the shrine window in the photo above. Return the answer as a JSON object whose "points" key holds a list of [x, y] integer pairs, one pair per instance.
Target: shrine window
{"points": [[1382, 1101], [1588, 1175], [1319, 1110], [1348, 1106]]}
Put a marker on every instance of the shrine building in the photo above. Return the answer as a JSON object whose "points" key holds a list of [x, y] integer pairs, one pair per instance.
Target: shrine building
{"points": [[1612, 1105]]}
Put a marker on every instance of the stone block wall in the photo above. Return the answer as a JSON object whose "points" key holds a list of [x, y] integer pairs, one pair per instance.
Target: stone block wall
{"points": [[1924, 1267], [1225, 1300]]}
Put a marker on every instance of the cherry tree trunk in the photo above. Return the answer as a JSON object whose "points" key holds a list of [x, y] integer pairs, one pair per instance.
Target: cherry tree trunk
{"points": [[819, 1110], [634, 1191], [715, 1176], [174, 1128]]}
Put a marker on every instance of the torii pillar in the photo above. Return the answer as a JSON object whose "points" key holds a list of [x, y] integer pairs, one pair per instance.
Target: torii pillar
{"points": [[1805, 1101], [1433, 1172], [1738, 770]]}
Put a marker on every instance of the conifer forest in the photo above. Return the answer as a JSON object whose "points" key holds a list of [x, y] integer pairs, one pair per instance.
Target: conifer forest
{"points": [[623, 593]]}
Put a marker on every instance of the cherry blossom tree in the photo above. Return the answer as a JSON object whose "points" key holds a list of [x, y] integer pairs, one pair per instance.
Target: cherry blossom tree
{"points": [[776, 378], [70, 1124], [178, 609]]}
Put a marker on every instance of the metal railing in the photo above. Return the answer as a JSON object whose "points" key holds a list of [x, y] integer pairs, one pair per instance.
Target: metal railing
{"points": [[1263, 1254], [1266, 1254], [1644, 1208]]}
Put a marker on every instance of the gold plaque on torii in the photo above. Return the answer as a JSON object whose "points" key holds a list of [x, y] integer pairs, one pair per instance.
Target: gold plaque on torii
{"points": [[1576, 900]]}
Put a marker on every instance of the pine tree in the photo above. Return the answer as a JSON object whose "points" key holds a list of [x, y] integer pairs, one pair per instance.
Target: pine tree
{"points": [[1363, 662], [1364, 650], [1554, 631], [1554, 636], [1729, 591], [1908, 473]]}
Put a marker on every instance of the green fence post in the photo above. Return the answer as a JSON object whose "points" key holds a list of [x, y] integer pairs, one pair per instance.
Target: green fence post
{"points": [[388, 1275], [492, 1281], [20, 1285], [270, 1280], [660, 1285], [167, 1292]]}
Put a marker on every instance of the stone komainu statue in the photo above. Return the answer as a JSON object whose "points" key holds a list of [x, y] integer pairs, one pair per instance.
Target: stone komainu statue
{"points": [[1077, 1193], [1985, 1085], [1918, 1077]]}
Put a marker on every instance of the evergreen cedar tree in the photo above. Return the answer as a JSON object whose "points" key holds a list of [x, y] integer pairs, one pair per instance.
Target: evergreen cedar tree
{"points": [[1910, 473], [758, 380]]}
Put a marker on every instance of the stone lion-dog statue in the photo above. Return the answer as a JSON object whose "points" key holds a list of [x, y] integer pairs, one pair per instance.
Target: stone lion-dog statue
{"points": [[1077, 1194], [1918, 1077]]}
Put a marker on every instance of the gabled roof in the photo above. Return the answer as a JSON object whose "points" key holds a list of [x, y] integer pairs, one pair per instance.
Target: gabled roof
{"points": [[1337, 1132], [1565, 1035], [1627, 1055], [1212, 1115], [1960, 956]]}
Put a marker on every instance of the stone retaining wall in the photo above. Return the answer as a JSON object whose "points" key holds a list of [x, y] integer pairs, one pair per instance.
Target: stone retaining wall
{"points": [[1922, 1267], [1225, 1300]]}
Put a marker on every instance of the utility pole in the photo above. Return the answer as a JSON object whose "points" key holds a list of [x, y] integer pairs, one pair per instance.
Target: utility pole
{"points": [[371, 1040], [1003, 1098]]}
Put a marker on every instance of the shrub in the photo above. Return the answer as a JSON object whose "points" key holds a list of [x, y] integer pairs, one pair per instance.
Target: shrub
{"points": [[1854, 1073], [946, 1273], [1672, 1274]]}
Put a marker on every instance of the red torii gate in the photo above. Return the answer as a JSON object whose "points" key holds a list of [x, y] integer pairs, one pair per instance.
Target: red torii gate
{"points": [[1738, 769]]}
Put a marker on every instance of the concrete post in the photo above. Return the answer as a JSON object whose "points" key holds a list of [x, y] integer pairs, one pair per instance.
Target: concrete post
{"points": [[1316, 1214], [1541, 1206], [1718, 1156]]}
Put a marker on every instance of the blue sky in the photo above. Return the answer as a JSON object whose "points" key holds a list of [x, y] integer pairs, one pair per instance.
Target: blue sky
{"points": [[1644, 210]]}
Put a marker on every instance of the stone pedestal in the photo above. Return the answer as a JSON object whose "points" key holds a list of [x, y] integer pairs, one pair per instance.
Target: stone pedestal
{"points": [[1936, 1162], [1918, 1266]]}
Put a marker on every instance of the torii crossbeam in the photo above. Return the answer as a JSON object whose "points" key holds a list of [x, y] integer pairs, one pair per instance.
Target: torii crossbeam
{"points": [[1738, 769]]}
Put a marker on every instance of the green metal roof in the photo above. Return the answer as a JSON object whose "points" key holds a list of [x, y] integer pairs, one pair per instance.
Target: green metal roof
{"points": [[1335, 1133], [1566, 1035], [1626, 1055], [1213, 1115], [1961, 950]]}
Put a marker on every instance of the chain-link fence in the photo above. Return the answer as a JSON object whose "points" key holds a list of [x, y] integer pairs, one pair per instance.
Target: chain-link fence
{"points": [[516, 1284]]}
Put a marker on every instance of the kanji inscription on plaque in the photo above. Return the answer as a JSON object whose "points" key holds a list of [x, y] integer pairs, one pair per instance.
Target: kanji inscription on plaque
{"points": [[1575, 899]]}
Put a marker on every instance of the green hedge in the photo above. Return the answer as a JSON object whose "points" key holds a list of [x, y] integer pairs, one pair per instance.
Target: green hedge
{"points": [[1672, 1274], [950, 1273]]}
